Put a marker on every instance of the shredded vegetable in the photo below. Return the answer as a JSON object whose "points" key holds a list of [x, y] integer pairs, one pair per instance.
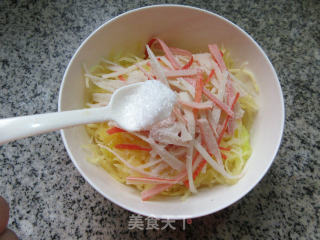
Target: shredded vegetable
{"points": [[205, 141]]}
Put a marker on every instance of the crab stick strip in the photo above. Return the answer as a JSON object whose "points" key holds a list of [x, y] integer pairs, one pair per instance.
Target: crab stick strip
{"points": [[216, 101], [166, 51], [211, 97], [169, 51], [149, 193], [219, 168], [216, 54], [183, 52]]}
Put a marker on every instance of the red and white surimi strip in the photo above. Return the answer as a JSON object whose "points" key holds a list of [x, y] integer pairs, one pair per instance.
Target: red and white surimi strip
{"points": [[216, 54], [149, 193], [183, 52], [169, 51], [211, 97], [217, 102]]}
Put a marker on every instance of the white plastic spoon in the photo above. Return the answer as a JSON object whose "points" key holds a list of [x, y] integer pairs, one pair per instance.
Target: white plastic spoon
{"points": [[133, 107]]}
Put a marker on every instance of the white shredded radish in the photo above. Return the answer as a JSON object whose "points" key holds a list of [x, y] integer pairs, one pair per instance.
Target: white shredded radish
{"points": [[190, 89], [215, 116], [116, 68], [238, 112], [205, 61], [110, 62], [159, 168], [178, 151], [197, 162], [151, 163], [204, 169], [179, 116], [101, 97], [242, 87], [181, 73], [87, 80], [176, 85], [171, 134], [188, 114], [156, 67], [120, 72], [222, 87], [127, 163], [135, 77], [148, 75], [110, 86], [219, 168], [93, 77], [213, 120], [217, 72], [189, 169], [183, 59], [166, 62], [166, 122], [96, 105], [171, 160]]}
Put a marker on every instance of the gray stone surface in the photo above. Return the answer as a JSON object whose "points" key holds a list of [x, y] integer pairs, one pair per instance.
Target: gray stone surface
{"points": [[48, 197]]}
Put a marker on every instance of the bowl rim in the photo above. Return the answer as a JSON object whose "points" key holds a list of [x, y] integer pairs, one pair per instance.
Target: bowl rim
{"points": [[278, 86]]}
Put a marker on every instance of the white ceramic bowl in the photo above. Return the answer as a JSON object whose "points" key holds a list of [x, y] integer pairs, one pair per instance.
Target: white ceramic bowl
{"points": [[193, 29]]}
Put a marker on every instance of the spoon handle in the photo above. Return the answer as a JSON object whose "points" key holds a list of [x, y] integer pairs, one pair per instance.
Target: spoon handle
{"points": [[25, 126]]}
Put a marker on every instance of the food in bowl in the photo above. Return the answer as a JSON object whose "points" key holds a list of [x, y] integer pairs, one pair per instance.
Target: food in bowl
{"points": [[204, 27], [206, 139]]}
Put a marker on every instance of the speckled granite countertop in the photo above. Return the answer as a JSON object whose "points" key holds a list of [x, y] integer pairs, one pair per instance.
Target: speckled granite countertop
{"points": [[48, 197]]}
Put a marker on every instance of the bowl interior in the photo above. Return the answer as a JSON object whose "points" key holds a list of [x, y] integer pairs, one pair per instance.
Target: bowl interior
{"points": [[193, 29]]}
